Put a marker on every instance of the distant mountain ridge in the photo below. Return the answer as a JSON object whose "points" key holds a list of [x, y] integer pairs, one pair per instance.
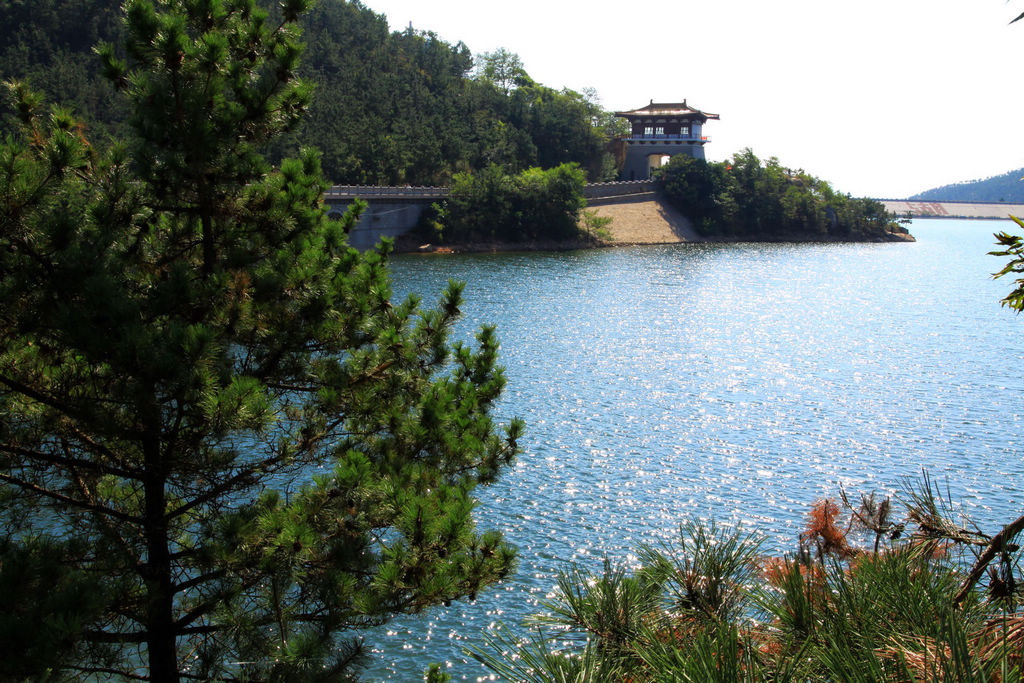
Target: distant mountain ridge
{"points": [[1007, 188]]}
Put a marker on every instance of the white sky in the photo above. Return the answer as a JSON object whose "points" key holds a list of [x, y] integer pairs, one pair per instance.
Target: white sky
{"points": [[883, 98]]}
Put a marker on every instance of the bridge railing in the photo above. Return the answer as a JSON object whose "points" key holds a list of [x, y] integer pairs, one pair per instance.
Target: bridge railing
{"points": [[380, 191], [369, 192], [694, 138]]}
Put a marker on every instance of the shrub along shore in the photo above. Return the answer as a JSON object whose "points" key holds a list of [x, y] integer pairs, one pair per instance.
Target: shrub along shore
{"points": [[742, 200]]}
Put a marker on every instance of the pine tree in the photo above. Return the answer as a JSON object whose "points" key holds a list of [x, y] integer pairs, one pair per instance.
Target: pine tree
{"points": [[224, 449]]}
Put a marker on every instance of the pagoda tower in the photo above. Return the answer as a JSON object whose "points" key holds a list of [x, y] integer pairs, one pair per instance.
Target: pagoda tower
{"points": [[662, 130]]}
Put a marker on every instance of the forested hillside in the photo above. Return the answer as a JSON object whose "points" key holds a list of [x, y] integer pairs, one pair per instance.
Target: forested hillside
{"points": [[1008, 187], [389, 108], [49, 43]]}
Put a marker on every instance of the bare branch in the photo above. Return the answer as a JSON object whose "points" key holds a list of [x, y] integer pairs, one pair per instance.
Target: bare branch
{"points": [[205, 608], [103, 670], [199, 580], [223, 487], [136, 637], [999, 543]]}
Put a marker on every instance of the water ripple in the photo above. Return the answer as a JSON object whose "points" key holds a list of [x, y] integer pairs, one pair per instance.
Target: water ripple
{"points": [[738, 382]]}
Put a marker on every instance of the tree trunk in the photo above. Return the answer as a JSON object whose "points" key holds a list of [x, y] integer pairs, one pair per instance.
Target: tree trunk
{"points": [[161, 641], [209, 241]]}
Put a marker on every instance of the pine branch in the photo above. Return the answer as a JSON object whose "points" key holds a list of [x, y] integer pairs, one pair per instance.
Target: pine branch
{"points": [[51, 402], [107, 523], [293, 388], [25, 247], [98, 447], [204, 608], [243, 477], [998, 544], [70, 463], [67, 500], [198, 581]]}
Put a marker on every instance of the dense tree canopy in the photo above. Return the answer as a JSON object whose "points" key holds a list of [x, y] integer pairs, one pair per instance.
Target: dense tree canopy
{"points": [[406, 107], [224, 449], [751, 199], [493, 206], [49, 44], [391, 108]]}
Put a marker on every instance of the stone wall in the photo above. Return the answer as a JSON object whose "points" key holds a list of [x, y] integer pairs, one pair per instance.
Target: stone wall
{"points": [[382, 218], [637, 165], [608, 190]]}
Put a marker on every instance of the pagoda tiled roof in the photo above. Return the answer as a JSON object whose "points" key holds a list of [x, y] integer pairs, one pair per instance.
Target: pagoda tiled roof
{"points": [[667, 109]]}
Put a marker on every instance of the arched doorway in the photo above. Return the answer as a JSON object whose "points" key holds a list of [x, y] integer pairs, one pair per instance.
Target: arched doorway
{"points": [[656, 161]]}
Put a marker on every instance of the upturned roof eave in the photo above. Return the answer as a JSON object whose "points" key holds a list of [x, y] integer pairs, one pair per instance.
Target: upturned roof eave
{"points": [[668, 109]]}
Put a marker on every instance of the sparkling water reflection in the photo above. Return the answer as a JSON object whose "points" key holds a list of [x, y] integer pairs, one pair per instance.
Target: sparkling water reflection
{"points": [[738, 382]]}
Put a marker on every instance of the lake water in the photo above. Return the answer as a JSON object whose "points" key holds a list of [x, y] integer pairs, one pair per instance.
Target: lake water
{"points": [[739, 382]]}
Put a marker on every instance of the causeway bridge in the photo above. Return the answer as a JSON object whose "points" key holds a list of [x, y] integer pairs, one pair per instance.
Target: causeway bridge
{"points": [[394, 211], [926, 209], [391, 211]]}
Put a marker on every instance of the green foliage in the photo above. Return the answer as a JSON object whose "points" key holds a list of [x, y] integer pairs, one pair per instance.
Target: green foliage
{"points": [[434, 675], [695, 186], [596, 226], [391, 108], [534, 660], [704, 572], [503, 69], [49, 43], [750, 199], [612, 606], [224, 448], [47, 602], [1013, 247], [709, 608], [533, 205]]}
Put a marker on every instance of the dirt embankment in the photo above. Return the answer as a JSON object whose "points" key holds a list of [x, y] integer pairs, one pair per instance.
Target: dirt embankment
{"points": [[645, 219]]}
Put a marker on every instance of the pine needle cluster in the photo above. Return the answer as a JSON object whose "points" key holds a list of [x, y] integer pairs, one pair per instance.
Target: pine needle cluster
{"points": [[864, 598], [224, 449]]}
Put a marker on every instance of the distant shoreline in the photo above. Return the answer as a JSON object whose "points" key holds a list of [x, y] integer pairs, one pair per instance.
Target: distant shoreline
{"points": [[980, 210], [575, 245]]}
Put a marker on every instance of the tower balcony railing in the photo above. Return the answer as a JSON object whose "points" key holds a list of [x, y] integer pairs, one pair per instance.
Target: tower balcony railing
{"points": [[694, 138]]}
